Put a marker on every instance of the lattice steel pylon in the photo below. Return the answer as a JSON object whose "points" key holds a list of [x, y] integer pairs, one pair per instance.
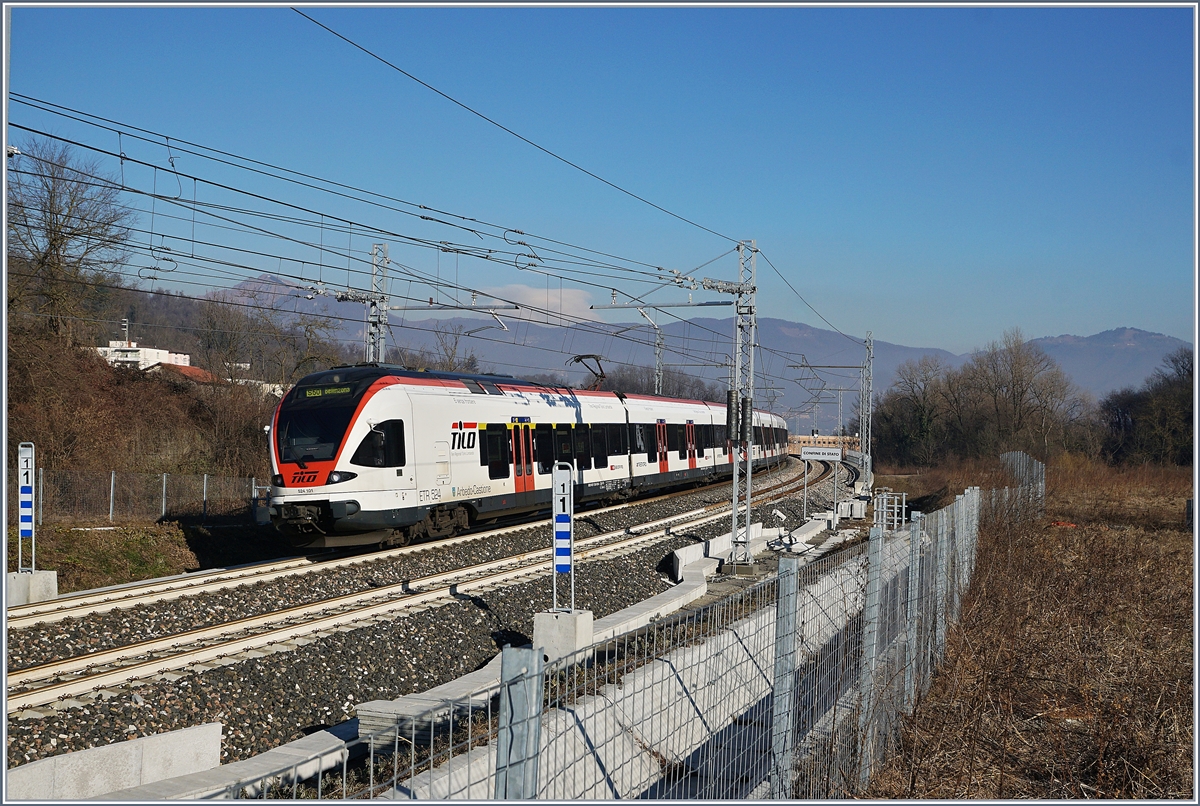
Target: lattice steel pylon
{"points": [[377, 301], [740, 420]]}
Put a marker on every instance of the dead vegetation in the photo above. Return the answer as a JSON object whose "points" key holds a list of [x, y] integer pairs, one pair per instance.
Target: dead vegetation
{"points": [[1070, 673]]}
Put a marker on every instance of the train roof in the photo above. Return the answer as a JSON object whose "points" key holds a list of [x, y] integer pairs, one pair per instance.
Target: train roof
{"points": [[349, 373], [354, 373]]}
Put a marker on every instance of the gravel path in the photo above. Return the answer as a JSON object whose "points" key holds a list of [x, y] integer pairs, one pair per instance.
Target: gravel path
{"points": [[267, 701]]}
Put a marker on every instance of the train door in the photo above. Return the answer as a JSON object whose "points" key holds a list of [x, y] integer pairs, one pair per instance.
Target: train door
{"points": [[689, 435], [522, 453], [660, 437]]}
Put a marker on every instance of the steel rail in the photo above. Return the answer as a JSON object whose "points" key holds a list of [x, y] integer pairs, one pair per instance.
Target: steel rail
{"points": [[88, 602], [114, 667]]}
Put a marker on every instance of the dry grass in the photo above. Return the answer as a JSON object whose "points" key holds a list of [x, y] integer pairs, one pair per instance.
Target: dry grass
{"points": [[90, 557], [1070, 674]]}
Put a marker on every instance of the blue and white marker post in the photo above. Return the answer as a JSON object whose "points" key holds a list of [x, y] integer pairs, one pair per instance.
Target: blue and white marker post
{"points": [[26, 528], [562, 632], [27, 584], [564, 531]]}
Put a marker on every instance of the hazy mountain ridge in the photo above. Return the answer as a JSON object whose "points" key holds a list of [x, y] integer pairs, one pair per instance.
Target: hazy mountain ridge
{"points": [[1099, 363]]}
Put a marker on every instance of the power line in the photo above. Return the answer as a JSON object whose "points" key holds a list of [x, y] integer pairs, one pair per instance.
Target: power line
{"points": [[62, 110], [443, 246], [802, 299], [510, 131]]}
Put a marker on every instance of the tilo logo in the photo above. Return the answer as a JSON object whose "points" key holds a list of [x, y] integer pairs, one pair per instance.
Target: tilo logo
{"points": [[462, 436], [304, 477]]}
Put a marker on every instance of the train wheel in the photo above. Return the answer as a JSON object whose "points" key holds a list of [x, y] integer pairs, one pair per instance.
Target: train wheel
{"points": [[399, 538]]}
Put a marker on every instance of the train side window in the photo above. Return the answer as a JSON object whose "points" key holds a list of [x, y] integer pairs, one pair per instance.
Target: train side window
{"points": [[583, 457], [497, 451], [474, 386], [701, 440], [383, 446], [491, 388], [675, 439], [562, 443], [721, 439], [599, 446], [636, 445], [543, 447], [616, 440]]}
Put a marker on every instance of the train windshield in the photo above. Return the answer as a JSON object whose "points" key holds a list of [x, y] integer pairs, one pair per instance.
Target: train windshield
{"points": [[313, 421]]}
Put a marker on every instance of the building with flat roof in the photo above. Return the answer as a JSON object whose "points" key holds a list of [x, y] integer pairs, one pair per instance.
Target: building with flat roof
{"points": [[128, 354]]}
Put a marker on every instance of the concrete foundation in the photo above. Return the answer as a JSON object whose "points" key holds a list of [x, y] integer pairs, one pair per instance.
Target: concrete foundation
{"points": [[562, 633], [101, 770], [27, 587]]}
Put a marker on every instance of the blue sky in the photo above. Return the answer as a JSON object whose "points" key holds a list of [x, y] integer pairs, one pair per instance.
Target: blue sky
{"points": [[936, 176]]}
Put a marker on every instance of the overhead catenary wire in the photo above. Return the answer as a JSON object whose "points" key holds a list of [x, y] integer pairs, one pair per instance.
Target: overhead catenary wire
{"points": [[470, 251], [79, 115], [520, 137], [323, 216]]}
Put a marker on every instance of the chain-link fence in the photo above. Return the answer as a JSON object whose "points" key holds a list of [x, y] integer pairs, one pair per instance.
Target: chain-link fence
{"points": [[793, 688], [76, 495]]}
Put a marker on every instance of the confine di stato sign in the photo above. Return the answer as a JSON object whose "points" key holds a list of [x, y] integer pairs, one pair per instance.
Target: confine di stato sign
{"points": [[822, 454]]}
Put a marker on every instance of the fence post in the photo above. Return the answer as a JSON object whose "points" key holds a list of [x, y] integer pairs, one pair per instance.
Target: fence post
{"points": [[521, 676], [914, 588], [783, 714], [940, 588], [112, 492], [164, 497], [866, 672], [204, 510]]}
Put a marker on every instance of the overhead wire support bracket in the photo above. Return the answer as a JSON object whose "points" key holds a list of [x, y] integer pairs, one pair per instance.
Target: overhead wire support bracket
{"points": [[659, 337]]}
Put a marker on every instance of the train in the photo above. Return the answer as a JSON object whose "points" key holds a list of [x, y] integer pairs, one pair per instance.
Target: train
{"points": [[381, 454]]}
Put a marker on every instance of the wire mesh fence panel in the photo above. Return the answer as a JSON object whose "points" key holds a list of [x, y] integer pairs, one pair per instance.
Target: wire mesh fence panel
{"points": [[76, 495], [792, 688]]}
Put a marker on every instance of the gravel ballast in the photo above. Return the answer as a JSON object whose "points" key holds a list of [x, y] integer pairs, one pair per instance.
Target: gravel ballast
{"points": [[269, 700]]}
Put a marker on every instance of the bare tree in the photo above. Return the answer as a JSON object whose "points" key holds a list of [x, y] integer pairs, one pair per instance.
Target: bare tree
{"points": [[66, 227]]}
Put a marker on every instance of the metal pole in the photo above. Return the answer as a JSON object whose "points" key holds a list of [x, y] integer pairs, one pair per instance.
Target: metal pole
{"points": [[783, 715], [866, 678], [836, 465], [112, 491], [41, 492], [204, 511], [658, 360], [521, 684], [164, 496], [914, 588], [805, 490]]}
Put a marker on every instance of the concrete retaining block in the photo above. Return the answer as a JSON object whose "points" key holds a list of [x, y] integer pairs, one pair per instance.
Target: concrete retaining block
{"points": [[27, 587], [281, 766], [98, 771], [561, 634], [609, 765]]}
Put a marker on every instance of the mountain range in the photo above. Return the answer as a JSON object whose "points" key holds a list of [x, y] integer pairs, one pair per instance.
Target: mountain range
{"points": [[1099, 364]]}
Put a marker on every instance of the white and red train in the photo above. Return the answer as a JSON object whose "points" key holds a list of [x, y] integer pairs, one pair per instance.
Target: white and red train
{"points": [[380, 454]]}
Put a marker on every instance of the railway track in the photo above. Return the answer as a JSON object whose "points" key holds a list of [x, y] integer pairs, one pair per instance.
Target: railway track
{"points": [[279, 630], [158, 590]]}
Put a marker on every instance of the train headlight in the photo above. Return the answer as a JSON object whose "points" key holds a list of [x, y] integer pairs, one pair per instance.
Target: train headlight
{"points": [[277, 480], [338, 476]]}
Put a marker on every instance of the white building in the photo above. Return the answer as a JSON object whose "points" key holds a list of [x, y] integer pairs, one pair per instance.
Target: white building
{"points": [[128, 354]]}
